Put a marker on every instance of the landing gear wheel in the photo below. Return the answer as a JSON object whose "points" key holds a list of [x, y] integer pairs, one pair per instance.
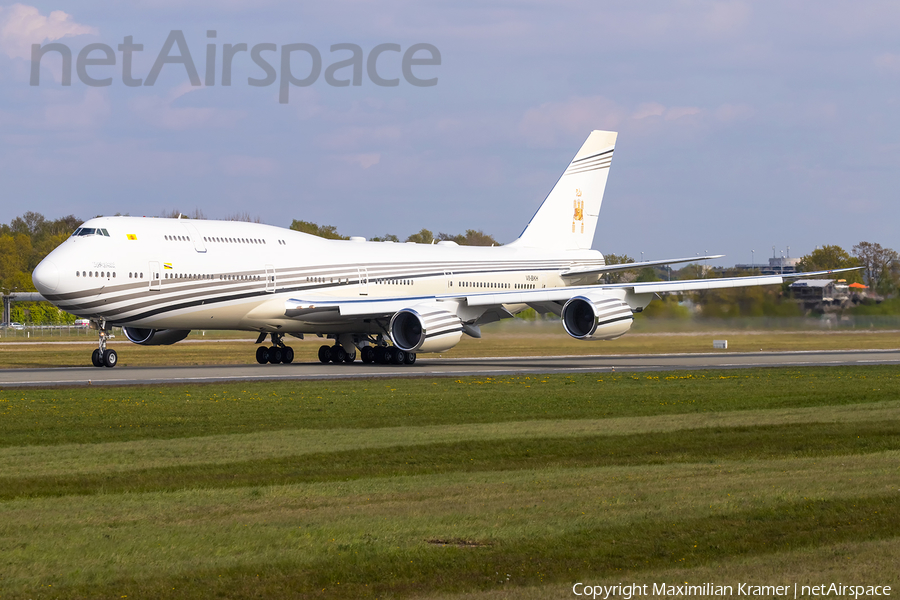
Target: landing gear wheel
{"points": [[262, 355], [398, 356], [96, 358], [275, 355], [110, 358], [288, 357], [368, 354], [337, 355], [349, 357], [382, 356], [324, 354], [410, 358]]}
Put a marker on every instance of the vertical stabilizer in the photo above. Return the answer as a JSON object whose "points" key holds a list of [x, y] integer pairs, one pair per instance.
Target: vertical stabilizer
{"points": [[568, 217]]}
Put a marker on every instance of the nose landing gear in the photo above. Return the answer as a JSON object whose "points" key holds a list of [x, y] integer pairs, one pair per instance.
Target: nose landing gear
{"points": [[103, 356]]}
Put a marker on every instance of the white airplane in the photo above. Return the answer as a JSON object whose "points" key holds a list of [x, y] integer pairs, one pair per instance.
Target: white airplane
{"points": [[160, 278]]}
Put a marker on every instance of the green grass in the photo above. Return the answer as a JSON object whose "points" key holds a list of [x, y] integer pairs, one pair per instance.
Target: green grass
{"points": [[92, 415], [474, 488], [715, 444]]}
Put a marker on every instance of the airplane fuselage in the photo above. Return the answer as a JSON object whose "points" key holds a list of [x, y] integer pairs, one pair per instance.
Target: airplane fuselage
{"points": [[192, 274]]}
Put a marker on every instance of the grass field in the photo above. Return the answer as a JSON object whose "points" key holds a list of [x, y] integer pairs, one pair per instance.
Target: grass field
{"points": [[476, 488], [507, 339]]}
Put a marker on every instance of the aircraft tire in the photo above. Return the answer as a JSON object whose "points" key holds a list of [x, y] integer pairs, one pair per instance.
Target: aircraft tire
{"points": [[288, 355], [368, 354], [95, 358], [410, 358], [382, 356], [324, 354], [398, 356], [110, 358], [275, 355], [262, 355], [349, 357], [337, 355]]}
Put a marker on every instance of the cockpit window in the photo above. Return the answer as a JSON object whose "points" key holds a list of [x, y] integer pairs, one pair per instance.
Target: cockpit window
{"points": [[90, 231]]}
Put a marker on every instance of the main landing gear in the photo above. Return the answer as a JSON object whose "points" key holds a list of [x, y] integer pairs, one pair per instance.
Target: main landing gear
{"points": [[103, 356], [277, 353], [383, 355], [336, 354]]}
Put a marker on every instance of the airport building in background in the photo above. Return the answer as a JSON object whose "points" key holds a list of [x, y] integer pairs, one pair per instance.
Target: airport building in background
{"points": [[777, 264]]}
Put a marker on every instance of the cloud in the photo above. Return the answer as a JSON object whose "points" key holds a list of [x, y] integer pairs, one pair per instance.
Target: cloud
{"points": [[888, 62], [88, 114], [542, 125], [362, 137], [253, 166], [728, 113], [21, 26], [654, 109], [548, 123], [159, 111], [363, 160]]}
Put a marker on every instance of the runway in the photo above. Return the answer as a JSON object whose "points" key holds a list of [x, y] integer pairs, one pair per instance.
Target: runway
{"points": [[438, 367]]}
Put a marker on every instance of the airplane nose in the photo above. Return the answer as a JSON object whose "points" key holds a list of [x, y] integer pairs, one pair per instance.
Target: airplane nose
{"points": [[45, 277]]}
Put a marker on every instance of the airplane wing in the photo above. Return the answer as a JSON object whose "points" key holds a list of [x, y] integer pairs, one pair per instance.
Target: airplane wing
{"points": [[575, 273], [435, 323], [311, 307]]}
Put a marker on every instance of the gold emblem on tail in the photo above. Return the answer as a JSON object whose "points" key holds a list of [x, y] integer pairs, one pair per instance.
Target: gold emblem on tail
{"points": [[579, 211]]}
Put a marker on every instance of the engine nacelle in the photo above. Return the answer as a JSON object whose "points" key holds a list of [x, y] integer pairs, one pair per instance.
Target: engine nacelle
{"points": [[596, 317], [425, 329], [155, 337]]}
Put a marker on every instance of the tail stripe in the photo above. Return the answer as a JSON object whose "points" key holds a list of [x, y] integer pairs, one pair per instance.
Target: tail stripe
{"points": [[602, 163], [610, 151]]}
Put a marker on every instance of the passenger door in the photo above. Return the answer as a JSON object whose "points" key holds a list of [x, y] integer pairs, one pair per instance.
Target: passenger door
{"points": [[154, 274], [363, 281], [270, 278]]}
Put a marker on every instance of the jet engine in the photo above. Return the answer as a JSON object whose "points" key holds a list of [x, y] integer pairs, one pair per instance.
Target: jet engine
{"points": [[425, 329], [596, 317], [155, 337]]}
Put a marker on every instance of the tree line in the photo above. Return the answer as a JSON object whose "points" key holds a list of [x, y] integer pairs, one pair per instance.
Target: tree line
{"points": [[471, 237], [880, 272]]}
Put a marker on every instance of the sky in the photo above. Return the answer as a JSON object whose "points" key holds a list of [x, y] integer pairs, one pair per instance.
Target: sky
{"points": [[742, 125]]}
